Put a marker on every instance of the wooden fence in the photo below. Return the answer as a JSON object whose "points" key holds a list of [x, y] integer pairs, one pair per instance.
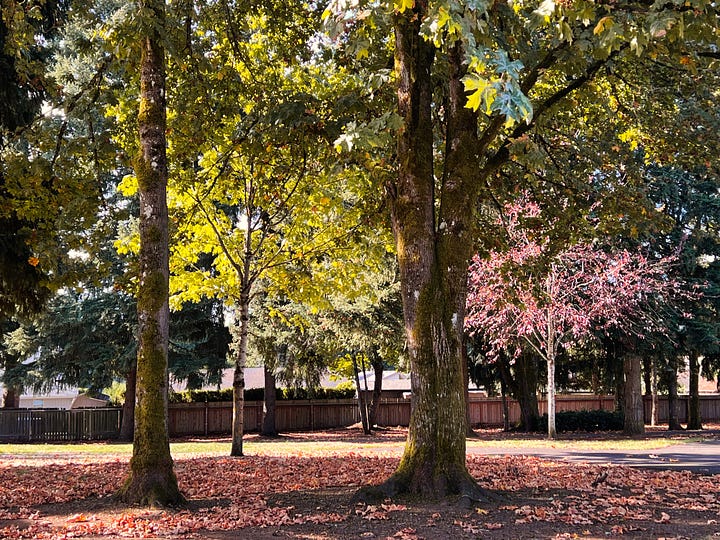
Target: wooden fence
{"points": [[185, 419], [38, 425]]}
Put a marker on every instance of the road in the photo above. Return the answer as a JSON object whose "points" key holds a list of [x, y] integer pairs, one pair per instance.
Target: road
{"points": [[699, 457]]}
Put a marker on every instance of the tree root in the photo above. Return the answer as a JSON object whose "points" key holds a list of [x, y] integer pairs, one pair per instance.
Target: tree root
{"points": [[459, 488]]}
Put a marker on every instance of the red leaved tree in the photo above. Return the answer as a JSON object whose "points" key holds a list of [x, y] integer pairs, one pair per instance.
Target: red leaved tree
{"points": [[532, 294]]}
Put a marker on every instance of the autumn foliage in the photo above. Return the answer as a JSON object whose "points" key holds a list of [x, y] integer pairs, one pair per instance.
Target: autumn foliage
{"points": [[533, 295]]}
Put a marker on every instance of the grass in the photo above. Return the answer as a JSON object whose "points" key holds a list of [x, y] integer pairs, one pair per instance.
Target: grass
{"points": [[317, 444]]}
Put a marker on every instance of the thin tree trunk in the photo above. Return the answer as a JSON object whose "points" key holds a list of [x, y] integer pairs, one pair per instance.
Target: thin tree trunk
{"points": [[654, 413], [618, 365], [11, 397], [671, 382], [361, 397], [378, 368], [11, 393], [552, 432], [152, 480], [634, 423], [694, 420], [505, 406], [269, 403], [127, 427], [647, 363], [523, 387], [466, 378], [238, 419]]}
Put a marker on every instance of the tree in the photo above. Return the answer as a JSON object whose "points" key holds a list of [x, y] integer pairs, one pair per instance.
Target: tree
{"points": [[550, 301], [521, 64], [260, 190], [689, 197], [23, 284], [151, 479], [367, 331]]}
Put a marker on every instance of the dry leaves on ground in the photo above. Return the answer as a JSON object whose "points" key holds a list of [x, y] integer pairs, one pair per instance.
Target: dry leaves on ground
{"points": [[230, 494]]}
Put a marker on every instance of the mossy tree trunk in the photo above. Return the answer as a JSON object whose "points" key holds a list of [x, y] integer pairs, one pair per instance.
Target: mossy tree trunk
{"points": [[152, 480], [433, 253], [694, 420], [634, 423]]}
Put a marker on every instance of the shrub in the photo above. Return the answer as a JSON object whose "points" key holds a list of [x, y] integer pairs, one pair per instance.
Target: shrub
{"points": [[257, 394], [599, 420]]}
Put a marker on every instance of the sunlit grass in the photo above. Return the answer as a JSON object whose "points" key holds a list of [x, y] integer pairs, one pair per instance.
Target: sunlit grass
{"points": [[306, 445], [574, 445]]}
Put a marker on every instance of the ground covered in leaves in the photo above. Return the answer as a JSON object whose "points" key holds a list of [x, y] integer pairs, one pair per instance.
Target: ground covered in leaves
{"points": [[306, 494]]}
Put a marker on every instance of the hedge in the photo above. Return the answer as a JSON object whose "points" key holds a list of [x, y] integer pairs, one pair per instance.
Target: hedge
{"points": [[599, 420], [258, 394]]}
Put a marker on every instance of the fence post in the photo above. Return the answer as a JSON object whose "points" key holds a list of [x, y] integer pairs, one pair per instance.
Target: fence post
{"points": [[205, 418]]}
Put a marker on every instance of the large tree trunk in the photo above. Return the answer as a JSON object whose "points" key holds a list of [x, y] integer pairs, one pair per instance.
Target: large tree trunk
{"points": [[152, 480], [127, 427], [634, 423], [433, 259], [694, 420], [269, 403]]}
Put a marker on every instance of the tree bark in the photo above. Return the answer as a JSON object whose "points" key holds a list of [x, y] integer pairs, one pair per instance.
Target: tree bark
{"points": [[552, 432], [269, 403], [634, 423], [152, 480], [127, 427], [654, 392], [523, 387], [362, 397], [240, 347], [433, 258], [694, 420], [671, 383], [11, 397], [378, 368]]}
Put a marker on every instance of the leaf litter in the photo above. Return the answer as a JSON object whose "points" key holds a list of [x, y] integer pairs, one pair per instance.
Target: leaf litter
{"points": [[308, 496]]}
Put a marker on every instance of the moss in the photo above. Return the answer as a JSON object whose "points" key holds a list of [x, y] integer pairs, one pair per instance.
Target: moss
{"points": [[152, 293]]}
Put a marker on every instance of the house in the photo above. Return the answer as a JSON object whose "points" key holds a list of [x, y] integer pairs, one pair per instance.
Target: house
{"points": [[70, 398]]}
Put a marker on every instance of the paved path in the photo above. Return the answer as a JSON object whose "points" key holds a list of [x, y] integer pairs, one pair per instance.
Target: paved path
{"points": [[700, 457]]}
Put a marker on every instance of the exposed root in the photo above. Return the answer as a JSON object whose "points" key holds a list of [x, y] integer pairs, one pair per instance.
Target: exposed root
{"points": [[459, 488]]}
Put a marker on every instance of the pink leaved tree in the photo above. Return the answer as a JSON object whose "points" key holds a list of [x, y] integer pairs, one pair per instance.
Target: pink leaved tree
{"points": [[532, 295]]}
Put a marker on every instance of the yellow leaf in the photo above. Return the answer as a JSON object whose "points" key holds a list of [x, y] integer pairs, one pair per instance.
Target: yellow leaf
{"points": [[603, 24], [402, 5]]}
